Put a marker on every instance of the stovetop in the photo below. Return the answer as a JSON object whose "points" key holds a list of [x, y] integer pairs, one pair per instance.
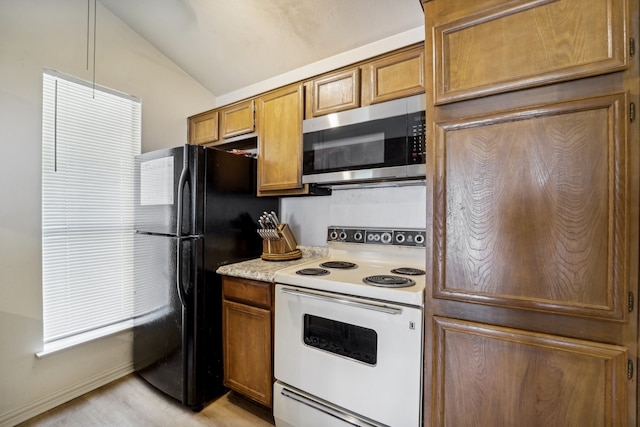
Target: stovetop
{"points": [[374, 252]]}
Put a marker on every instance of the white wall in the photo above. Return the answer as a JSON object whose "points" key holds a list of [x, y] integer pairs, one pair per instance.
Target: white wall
{"points": [[386, 207], [43, 33]]}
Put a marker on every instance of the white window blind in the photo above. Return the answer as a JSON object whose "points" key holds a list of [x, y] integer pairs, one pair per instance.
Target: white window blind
{"points": [[89, 140]]}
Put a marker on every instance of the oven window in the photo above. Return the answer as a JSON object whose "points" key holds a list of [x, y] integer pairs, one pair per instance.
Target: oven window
{"points": [[354, 342]]}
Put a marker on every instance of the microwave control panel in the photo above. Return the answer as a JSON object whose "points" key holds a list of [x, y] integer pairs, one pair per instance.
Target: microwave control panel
{"points": [[417, 139]]}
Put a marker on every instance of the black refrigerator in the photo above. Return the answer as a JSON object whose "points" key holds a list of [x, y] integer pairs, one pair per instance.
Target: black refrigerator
{"points": [[195, 209]]}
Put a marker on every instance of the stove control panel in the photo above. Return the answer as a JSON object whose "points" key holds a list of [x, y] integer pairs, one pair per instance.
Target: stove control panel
{"points": [[377, 236]]}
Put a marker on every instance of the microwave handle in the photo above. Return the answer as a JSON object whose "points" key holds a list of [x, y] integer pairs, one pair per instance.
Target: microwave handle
{"points": [[343, 300]]}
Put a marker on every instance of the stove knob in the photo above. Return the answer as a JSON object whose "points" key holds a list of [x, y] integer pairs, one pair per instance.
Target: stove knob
{"points": [[333, 235], [357, 236], [419, 239], [385, 237], [400, 238], [343, 235]]}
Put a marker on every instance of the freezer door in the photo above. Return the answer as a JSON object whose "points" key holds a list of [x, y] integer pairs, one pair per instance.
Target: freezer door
{"points": [[158, 325], [169, 185], [168, 273]]}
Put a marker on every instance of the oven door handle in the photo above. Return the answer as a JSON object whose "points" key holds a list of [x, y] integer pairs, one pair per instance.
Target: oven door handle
{"points": [[343, 300], [341, 415]]}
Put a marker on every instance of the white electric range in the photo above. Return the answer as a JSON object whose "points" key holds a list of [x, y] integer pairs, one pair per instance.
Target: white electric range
{"points": [[349, 332]]}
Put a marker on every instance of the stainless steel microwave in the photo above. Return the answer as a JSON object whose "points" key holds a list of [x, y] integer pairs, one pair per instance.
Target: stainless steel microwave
{"points": [[379, 142]]}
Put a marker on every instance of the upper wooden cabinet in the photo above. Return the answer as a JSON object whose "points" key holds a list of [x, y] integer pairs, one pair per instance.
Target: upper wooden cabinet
{"points": [[280, 140], [393, 77], [203, 128], [546, 41], [276, 117], [384, 78], [334, 92], [237, 119]]}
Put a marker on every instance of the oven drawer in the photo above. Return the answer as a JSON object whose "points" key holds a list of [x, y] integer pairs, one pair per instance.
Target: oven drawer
{"points": [[294, 408], [358, 354]]}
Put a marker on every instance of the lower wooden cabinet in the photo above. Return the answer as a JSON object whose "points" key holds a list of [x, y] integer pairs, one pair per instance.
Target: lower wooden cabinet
{"points": [[511, 377], [247, 338]]}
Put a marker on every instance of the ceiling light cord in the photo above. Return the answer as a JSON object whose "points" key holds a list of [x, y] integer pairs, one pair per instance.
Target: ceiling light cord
{"points": [[95, 14]]}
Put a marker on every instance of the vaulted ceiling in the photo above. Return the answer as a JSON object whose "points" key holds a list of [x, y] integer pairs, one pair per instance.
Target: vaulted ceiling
{"points": [[230, 44]]}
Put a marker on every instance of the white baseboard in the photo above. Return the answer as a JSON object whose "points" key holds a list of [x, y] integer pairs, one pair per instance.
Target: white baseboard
{"points": [[45, 403]]}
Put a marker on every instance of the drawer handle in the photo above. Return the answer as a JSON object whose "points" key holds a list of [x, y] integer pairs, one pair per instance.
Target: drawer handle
{"points": [[334, 412]]}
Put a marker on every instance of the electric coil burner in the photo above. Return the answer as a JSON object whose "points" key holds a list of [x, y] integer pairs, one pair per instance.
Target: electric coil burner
{"points": [[388, 281], [312, 272], [338, 264], [408, 271]]}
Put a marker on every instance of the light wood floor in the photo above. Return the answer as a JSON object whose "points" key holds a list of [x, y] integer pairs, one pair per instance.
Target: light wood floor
{"points": [[132, 402]]}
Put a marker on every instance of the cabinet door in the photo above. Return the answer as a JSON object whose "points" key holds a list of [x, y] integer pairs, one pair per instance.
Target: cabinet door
{"points": [[203, 128], [487, 47], [237, 119], [491, 376], [533, 208], [393, 77], [335, 92], [280, 139], [247, 351]]}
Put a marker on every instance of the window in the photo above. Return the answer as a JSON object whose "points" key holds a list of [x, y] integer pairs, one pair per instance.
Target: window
{"points": [[90, 137]]}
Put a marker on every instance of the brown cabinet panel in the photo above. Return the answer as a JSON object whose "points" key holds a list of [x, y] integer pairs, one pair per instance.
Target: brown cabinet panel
{"points": [[247, 351], [247, 291], [532, 208], [486, 376], [525, 43], [280, 115], [237, 119], [335, 92], [203, 128], [393, 77]]}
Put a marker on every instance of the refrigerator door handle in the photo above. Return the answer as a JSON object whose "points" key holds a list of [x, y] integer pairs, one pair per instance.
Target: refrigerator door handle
{"points": [[182, 181], [182, 294]]}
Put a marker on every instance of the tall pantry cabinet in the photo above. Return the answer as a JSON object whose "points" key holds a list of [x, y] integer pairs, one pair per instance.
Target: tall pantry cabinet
{"points": [[533, 199]]}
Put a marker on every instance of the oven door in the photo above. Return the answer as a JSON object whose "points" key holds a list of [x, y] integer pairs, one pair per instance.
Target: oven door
{"points": [[361, 355]]}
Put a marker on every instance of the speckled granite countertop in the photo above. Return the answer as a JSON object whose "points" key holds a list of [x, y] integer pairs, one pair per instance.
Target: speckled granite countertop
{"points": [[258, 269]]}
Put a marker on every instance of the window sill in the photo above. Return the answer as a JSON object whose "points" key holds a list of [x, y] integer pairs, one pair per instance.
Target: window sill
{"points": [[75, 340]]}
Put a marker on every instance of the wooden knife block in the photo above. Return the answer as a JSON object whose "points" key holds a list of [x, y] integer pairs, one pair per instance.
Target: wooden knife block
{"points": [[284, 248]]}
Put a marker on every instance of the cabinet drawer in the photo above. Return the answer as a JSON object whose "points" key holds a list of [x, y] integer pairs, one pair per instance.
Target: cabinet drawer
{"points": [[248, 291]]}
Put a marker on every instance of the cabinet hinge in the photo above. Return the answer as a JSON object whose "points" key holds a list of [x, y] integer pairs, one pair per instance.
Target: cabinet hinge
{"points": [[632, 112], [632, 47], [629, 369], [630, 302]]}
